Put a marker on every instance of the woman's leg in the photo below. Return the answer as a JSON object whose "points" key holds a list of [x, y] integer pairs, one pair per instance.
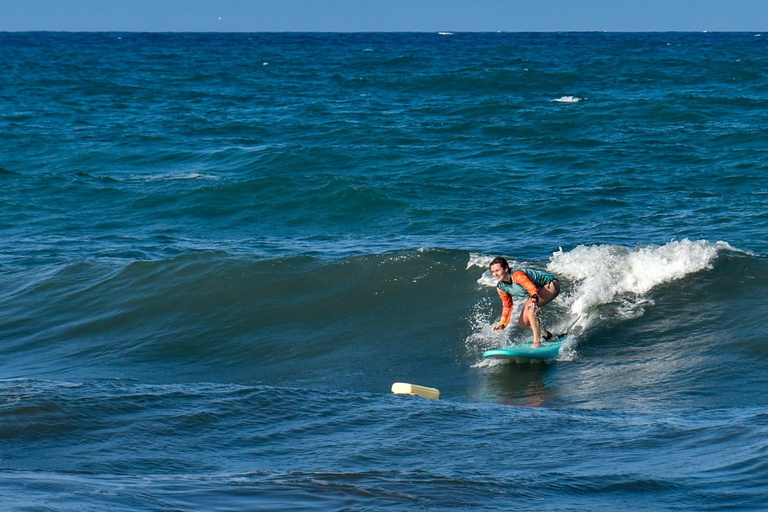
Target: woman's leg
{"points": [[548, 293], [529, 318]]}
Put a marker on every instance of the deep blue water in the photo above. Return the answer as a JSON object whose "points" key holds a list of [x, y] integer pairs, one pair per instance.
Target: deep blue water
{"points": [[220, 250]]}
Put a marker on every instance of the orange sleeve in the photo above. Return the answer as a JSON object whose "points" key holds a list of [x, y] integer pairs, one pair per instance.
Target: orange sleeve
{"points": [[519, 277], [506, 300]]}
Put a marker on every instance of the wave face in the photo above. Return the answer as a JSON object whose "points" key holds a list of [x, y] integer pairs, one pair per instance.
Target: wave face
{"points": [[220, 250]]}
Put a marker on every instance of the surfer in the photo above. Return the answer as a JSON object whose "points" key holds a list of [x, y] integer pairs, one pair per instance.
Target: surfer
{"points": [[541, 287]]}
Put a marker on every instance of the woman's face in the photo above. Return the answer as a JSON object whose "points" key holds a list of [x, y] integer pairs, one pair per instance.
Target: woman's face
{"points": [[499, 272]]}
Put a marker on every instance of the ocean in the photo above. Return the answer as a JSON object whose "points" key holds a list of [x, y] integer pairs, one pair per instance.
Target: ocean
{"points": [[219, 251]]}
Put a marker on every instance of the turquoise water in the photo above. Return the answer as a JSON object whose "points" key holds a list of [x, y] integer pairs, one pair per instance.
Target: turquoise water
{"points": [[220, 251]]}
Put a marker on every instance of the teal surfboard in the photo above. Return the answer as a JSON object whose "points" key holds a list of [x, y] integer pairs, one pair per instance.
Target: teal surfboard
{"points": [[547, 350]]}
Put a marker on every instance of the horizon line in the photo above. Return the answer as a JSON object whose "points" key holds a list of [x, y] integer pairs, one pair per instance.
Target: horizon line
{"points": [[436, 32]]}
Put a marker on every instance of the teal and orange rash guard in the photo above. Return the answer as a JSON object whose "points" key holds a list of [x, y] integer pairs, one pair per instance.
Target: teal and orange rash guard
{"points": [[524, 282]]}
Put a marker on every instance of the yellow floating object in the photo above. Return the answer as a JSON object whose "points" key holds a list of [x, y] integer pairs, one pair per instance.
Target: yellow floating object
{"points": [[403, 388]]}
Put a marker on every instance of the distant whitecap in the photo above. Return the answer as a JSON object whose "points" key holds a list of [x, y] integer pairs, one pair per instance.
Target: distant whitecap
{"points": [[181, 176], [445, 33], [568, 99]]}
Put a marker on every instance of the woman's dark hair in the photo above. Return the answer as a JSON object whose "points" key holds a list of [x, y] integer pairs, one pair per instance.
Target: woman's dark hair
{"points": [[501, 261]]}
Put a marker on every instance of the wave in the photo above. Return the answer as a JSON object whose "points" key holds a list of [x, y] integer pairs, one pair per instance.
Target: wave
{"points": [[605, 285], [600, 274], [6, 172], [222, 317]]}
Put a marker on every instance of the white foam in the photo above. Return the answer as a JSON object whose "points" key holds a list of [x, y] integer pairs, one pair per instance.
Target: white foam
{"points": [[197, 176], [183, 176], [603, 273], [477, 259], [487, 279], [483, 336], [482, 261], [568, 350], [568, 99]]}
